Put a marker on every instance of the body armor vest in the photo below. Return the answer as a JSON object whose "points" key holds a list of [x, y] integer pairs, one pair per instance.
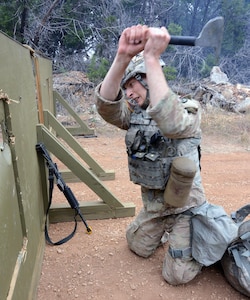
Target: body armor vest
{"points": [[150, 154]]}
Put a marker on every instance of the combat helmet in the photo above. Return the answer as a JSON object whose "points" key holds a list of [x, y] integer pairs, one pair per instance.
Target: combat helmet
{"points": [[135, 68]]}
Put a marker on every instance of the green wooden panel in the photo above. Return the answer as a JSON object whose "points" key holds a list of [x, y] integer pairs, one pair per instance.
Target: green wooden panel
{"points": [[46, 83], [11, 229], [17, 80]]}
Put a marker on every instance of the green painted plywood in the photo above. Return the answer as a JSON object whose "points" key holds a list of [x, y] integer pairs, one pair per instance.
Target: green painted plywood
{"points": [[22, 201]]}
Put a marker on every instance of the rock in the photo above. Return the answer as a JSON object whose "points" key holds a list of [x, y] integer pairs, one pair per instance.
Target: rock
{"points": [[215, 90], [243, 106], [227, 94], [217, 76]]}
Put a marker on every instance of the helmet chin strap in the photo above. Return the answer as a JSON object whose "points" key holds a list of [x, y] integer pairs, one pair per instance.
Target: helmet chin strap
{"points": [[143, 83], [146, 101]]}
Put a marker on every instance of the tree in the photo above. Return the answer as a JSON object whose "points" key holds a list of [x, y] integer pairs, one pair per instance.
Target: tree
{"points": [[234, 12], [70, 32], [13, 16]]}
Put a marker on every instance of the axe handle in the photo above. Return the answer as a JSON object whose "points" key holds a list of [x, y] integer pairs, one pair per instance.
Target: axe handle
{"points": [[182, 40]]}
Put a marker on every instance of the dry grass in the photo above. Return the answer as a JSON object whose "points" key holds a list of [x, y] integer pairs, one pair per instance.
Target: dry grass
{"points": [[227, 125]]}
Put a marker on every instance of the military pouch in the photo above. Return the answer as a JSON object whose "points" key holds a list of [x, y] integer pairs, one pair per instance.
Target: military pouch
{"points": [[150, 173], [212, 231], [134, 139], [180, 182]]}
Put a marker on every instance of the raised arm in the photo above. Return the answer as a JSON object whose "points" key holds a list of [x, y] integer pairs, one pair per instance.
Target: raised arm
{"points": [[157, 42], [131, 42]]}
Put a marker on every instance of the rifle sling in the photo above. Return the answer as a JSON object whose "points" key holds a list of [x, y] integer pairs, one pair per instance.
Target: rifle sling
{"points": [[48, 239]]}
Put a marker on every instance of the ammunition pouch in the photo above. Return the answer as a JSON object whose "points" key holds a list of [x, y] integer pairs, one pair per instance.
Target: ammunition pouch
{"points": [[148, 170], [147, 163]]}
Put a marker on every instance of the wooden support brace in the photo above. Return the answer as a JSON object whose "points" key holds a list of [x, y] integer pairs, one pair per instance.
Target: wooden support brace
{"points": [[109, 207], [92, 210], [51, 121], [82, 129]]}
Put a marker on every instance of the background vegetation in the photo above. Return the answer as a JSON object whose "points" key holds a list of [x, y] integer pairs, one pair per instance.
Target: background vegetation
{"points": [[83, 34]]}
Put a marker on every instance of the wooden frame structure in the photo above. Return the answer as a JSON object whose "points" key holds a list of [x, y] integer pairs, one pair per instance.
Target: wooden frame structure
{"points": [[51, 132], [110, 206]]}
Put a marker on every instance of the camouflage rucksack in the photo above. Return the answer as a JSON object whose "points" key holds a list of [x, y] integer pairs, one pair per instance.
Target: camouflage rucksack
{"points": [[236, 260]]}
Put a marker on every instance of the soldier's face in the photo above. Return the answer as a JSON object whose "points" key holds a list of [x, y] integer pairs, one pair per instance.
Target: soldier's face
{"points": [[136, 91]]}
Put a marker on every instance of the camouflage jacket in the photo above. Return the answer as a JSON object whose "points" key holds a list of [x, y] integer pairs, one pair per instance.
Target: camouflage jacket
{"points": [[174, 121]]}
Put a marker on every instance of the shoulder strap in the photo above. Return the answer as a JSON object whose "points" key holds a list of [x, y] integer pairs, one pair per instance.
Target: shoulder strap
{"points": [[240, 214], [48, 239], [199, 155]]}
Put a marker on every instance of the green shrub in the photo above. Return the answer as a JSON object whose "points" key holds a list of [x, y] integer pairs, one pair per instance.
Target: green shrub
{"points": [[207, 65], [97, 69], [169, 72]]}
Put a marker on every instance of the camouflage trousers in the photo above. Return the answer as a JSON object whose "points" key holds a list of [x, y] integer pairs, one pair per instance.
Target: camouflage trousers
{"points": [[149, 230]]}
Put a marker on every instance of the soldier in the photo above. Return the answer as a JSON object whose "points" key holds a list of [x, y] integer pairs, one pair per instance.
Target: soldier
{"points": [[162, 140]]}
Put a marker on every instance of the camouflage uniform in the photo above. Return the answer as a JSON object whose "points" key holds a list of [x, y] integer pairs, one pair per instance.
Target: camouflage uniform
{"points": [[179, 122]]}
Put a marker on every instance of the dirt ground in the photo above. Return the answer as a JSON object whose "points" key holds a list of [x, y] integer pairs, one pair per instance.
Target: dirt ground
{"points": [[100, 266]]}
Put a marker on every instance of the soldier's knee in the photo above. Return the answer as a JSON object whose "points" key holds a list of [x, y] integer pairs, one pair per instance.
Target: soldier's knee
{"points": [[179, 270], [139, 241]]}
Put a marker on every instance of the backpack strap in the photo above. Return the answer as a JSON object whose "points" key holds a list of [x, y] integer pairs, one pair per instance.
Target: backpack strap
{"points": [[241, 259], [240, 214], [240, 249], [244, 235]]}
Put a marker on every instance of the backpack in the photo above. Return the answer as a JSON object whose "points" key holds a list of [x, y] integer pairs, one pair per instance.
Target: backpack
{"points": [[212, 231], [236, 260]]}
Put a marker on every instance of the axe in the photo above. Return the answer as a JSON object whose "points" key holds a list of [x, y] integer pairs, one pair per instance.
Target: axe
{"points": [[210, 36]]}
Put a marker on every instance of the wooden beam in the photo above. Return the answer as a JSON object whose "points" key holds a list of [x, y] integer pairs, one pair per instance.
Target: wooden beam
{"points": [[82, 129], [69, 177], [61, 212], [62, 132], [39, 94]]}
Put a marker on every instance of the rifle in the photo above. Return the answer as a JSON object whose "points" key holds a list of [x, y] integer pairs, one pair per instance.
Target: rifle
{"points": [[54, 173]]}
